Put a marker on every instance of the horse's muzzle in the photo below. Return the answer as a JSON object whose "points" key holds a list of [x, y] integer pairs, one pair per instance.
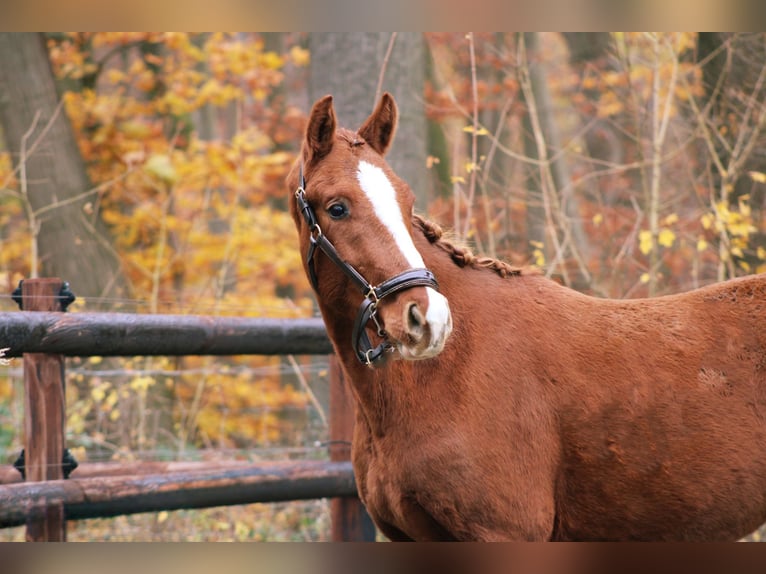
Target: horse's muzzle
{"points": [[424, 334]]}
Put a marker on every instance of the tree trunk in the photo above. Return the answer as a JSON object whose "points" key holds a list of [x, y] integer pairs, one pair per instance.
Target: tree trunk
{"points": [[71, 244], [348, 66], [564, 200], [609, 141]]}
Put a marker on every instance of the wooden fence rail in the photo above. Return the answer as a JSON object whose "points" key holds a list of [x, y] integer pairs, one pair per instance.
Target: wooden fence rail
{"points": [[126, 335], [118, 495], [47, 335]]}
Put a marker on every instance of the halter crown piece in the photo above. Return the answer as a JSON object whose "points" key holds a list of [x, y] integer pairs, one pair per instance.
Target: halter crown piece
{"points": [[365, 352]]}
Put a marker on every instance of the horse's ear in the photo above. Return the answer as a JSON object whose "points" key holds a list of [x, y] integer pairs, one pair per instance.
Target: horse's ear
{"points": [[320, 133], [379, 129]]}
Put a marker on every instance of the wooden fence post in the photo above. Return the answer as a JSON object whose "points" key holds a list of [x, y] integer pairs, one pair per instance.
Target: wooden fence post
{"points": [[350, 521], [44, 413]]}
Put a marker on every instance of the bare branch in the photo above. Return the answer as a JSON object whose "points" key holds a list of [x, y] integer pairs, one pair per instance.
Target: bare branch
{"points": [[305, 385], [743, 148], [660, 120], [474, 136], [34, 226], [75, 198], [383, 68], [555, 216]]}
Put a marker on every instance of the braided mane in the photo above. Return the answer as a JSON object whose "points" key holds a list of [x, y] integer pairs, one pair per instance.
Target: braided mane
{"points": [[462, 256]]}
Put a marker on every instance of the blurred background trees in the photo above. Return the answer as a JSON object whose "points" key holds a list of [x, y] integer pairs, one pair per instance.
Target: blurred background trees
{"points": [[147, 169], [67, 238], [626, 164]]}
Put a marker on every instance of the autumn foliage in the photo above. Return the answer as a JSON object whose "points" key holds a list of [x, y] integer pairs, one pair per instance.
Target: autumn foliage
{"points": [[627, 173], [615, 175], [197, 216]]}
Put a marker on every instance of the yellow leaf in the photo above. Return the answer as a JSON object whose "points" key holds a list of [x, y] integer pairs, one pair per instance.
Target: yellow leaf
{"points": [[761, 253], [162, 516], [115, 76], [666, 238], [111, 399], [272, 60], [701, 244], [757, 176], [98, 394], [160, 166], [645, 278], [300, 56], [598, 219], [136, 129], [670, 219], [142, 383], [645, 242], [707, 220], [479, 132], [740, 228], [744, 208], [432, 161]]}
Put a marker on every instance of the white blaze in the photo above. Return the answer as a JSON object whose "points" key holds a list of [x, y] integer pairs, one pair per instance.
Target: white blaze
{"points": [[382, 195]]}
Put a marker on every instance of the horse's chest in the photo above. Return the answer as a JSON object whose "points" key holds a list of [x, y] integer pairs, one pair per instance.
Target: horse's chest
{"points": [[386, 483], [400, 486]]}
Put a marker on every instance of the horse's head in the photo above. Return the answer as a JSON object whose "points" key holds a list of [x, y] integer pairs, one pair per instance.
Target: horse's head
{"points": [[354, 216]]}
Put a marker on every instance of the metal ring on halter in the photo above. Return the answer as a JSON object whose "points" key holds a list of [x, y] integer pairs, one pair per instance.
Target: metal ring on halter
{"points": [[372, 295]]}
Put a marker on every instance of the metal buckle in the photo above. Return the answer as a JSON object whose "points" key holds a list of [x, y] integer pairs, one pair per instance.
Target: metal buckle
{"points": [[372, 295]]}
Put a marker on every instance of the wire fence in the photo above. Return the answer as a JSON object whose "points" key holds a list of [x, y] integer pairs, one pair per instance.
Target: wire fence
{"points": [[297, 433]]}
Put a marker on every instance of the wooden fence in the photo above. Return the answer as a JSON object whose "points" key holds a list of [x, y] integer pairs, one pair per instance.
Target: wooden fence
{"points": [[46, 499]]}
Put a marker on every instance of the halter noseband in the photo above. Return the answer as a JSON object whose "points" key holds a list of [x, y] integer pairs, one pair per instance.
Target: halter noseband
{"points": [[365, 352]]}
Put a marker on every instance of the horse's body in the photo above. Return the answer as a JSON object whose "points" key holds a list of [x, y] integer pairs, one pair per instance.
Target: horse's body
{"points": [[546, 414]]}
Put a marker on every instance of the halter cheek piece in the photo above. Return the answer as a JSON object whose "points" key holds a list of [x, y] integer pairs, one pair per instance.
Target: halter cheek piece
{"points": [[365, 352]]}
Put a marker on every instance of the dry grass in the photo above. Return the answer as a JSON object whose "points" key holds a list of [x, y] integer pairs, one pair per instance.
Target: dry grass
{"points": [[300, 521]]}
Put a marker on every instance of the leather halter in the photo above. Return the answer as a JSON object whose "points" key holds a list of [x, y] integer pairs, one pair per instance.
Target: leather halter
{"points": [[365, 352]]}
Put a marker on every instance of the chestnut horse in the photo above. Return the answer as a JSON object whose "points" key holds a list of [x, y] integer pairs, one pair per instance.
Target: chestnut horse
{"points": [[494, 404]]}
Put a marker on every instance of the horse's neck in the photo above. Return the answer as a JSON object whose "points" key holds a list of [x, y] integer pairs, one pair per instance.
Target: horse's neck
{"points": [[373, 388], [389, 394]]}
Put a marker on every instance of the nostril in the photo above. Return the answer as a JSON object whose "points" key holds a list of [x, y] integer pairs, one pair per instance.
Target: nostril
{"points": [[415, 321]]}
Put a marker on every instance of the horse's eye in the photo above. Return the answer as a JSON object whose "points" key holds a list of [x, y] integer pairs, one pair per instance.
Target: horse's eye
{"points": [[337, 211]]}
